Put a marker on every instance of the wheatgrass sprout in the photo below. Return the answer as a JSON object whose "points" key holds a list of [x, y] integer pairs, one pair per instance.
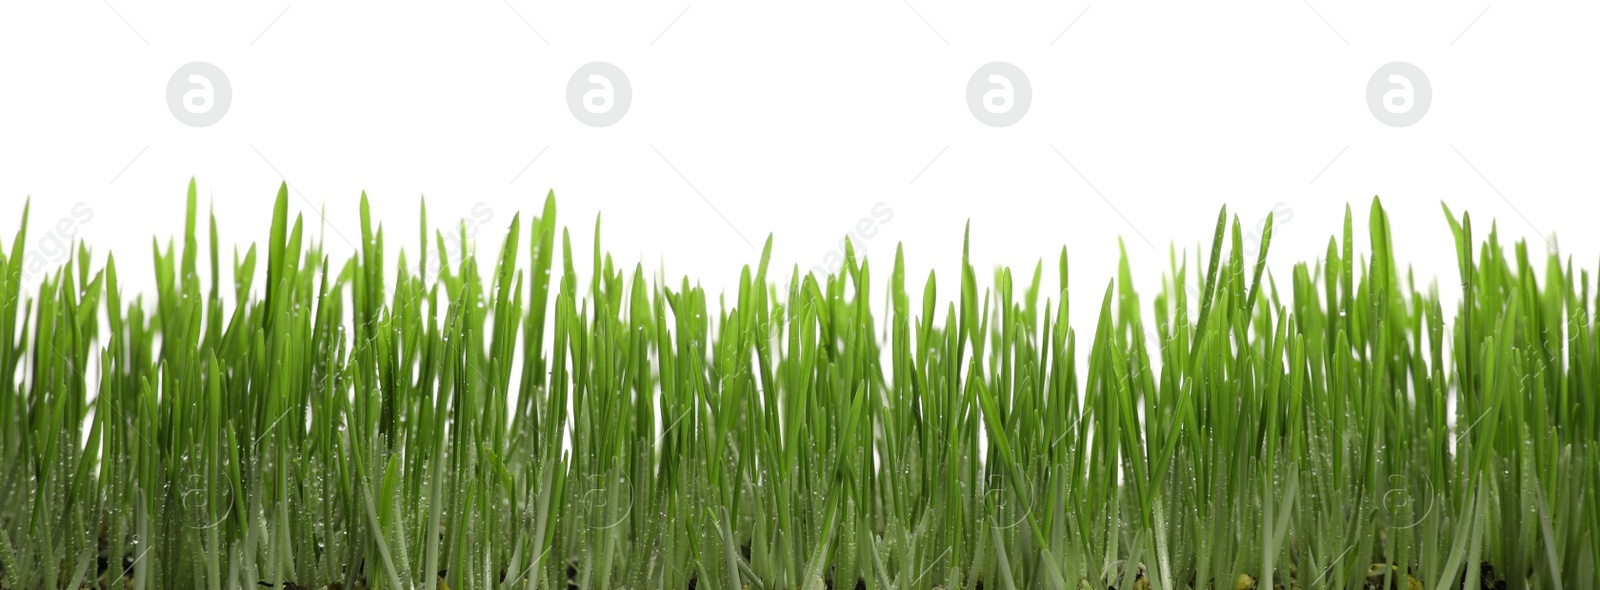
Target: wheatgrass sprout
{"points": [[519, 424]]}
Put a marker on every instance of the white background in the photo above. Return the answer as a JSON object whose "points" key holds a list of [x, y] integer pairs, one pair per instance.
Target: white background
{"points": [[796, 118]]}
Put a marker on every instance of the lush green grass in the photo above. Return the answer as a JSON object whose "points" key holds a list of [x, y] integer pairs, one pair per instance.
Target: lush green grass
{"points": [[525, 425]]}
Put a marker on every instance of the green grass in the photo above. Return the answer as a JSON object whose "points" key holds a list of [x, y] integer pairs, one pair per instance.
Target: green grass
{"points": [[526, 425]]}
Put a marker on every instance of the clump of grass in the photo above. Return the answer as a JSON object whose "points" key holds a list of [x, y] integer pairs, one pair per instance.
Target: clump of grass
{"points": [[326, 423]]}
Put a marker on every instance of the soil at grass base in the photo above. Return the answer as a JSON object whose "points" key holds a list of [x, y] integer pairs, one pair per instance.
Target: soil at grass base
{"points": [[1490, 580]]}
